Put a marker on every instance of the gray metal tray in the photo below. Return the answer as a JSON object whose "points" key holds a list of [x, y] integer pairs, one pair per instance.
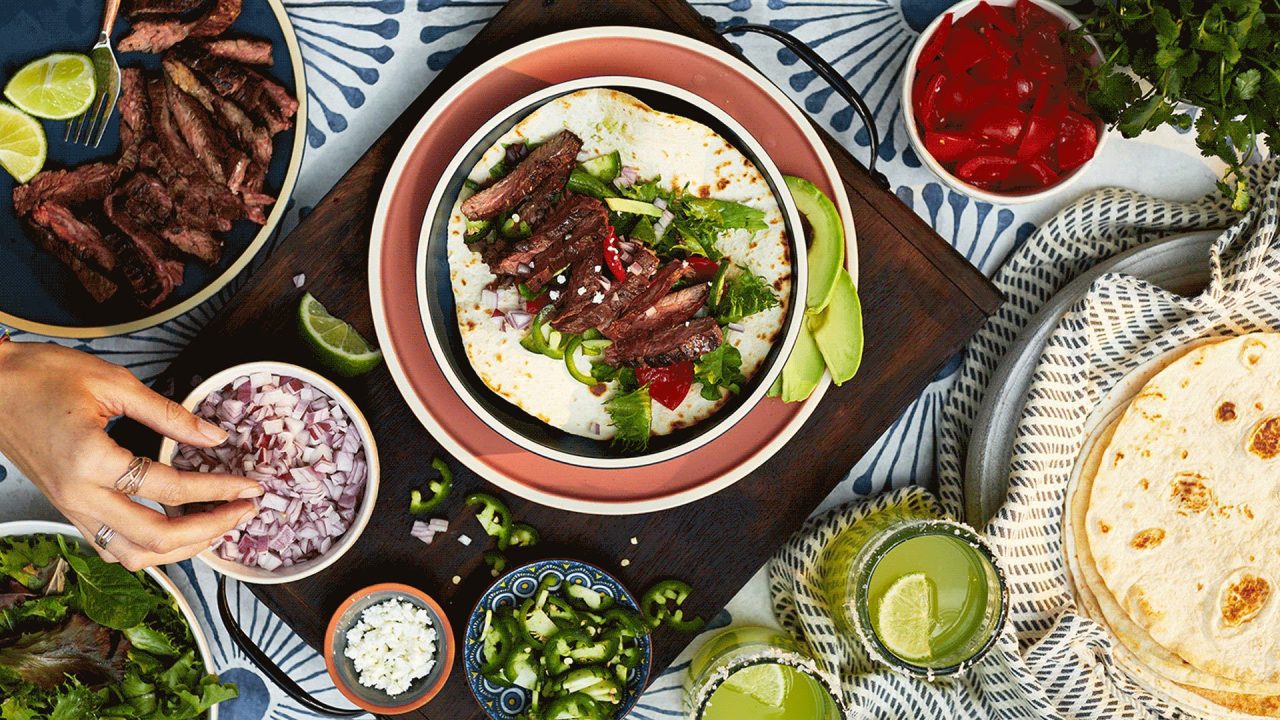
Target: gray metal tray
{"points": [[1176, 263]]}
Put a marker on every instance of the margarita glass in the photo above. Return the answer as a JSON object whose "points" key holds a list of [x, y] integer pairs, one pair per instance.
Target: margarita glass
{"points": [[758, 673], [923, 595]]}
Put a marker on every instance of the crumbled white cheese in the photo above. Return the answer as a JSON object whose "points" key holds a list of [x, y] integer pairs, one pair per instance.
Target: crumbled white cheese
{"points": [[625, 562], [596, 269], [597, 297], [553, 294], [635, 541], [393, 644], [559, 278], [515, 217], [456, 579], [582, 291]]}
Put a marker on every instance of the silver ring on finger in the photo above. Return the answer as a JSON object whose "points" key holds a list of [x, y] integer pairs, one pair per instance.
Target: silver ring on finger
{"points": [[104, 536], [131, 481]]}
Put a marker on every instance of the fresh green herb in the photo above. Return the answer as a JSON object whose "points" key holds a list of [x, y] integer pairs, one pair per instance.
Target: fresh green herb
{"points": [[632, 415], [55, 662], [720, 368], [110, 595], [743, 294], [1220, 55]]}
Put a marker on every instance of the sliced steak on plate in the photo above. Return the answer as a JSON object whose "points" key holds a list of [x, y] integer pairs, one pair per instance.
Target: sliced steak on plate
{"points": [[573, 211], [659, 285], [252, 51], [78, 238], [561, 254], [551, 159], [671, 309], [142, 252], [135, 123], [143, 8], [99, 286], [157, 34], [688, 340], [67, 187], [599, 308]]}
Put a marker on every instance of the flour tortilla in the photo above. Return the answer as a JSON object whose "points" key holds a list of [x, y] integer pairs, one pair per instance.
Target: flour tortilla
{"points": [[681, 152], [1183, 515], [1147, 663]]}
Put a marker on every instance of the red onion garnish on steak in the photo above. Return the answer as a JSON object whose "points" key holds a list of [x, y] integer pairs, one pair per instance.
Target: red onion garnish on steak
{"points": [[299, 280], [523, 269], [305, 451], [519, 319]]}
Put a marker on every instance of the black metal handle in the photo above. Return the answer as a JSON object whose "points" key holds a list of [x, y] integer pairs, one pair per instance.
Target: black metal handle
{"points": [[828, 73], [265, 664]]}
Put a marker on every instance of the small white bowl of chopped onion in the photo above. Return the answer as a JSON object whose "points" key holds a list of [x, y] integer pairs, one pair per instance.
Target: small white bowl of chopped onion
{"points": [[305, 440]]}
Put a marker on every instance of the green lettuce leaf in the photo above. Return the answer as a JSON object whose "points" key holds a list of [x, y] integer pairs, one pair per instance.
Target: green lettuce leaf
{"points": [[22, 558], [744, 295], [632, 417], [720, 368], [111, 596]]}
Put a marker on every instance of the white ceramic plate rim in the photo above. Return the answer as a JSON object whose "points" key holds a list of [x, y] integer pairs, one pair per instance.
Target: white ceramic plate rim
{"points": [[913, 132], [32, 527], [396, 367], [258, 576], [791, 326]]}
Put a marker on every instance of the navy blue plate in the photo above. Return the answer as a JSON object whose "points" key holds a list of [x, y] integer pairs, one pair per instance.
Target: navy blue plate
{"points": [[38, 293]]}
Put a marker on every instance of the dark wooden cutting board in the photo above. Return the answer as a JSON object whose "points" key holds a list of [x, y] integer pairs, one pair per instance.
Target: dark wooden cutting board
{"points": [[921, 301]]}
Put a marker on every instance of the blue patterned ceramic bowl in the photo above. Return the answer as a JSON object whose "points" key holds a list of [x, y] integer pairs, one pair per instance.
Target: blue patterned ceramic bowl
{"points": [[504, 703]]}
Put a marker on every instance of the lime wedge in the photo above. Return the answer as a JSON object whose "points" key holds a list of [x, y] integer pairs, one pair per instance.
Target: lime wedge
{"points": [[56, 87], [23, 147], [905, 617], [337, 344], [769, 683]]}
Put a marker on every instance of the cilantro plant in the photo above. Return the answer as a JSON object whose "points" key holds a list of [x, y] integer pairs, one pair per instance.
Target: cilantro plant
{"points": [[1220, 55]]}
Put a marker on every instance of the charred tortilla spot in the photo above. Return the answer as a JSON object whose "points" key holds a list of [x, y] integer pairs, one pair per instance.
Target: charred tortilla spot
{"points": [[1190, 493], [1118, 458], [1251, 352], [1104, 527], [1144, 483], [1226, 412], [1264, 441], [722, 183], [1243, 599], [1148, 538]]}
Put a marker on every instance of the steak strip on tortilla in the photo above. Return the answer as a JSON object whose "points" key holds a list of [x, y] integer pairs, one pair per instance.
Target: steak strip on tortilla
{"points": [[686, 341], [564, 221], [553, 158]]}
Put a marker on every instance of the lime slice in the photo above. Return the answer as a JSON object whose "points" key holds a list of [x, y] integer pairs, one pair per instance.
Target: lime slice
{"points": [[337, 344], [768, 683], [23, 147], [905, 617], [56, 87]]}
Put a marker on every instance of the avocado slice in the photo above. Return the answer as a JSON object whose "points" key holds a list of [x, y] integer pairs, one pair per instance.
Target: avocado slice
{"points": [[826, 241], [635, 207], [804, 368], [838, 330]]}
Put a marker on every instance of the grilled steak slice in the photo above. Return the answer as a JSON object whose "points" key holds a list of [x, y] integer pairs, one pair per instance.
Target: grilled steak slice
{"points": [[671, 309], [252, 139], [100, 287], [143, 8], [573, 211], [220, 17], [67, 187], [142, 253], [535, 209], [265, 100], [586, 279], [564, 252], [79, 239], [135, 125], [161, 33], [659, 285], [686, 341], [222, 162], [251, 51], [599, 308], [196, 243], [551, 159]]}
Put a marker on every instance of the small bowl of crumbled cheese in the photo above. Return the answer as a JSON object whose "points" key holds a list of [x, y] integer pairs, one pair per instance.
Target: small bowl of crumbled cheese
{"points": [[389, 648]]}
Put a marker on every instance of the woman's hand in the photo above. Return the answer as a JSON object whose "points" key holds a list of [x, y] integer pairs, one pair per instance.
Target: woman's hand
{"points": [[54, 407]]}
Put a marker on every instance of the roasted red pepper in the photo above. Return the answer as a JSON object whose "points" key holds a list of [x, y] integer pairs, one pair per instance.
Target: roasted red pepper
{"points": [[704, 269], [669, 384], [612, 258]]}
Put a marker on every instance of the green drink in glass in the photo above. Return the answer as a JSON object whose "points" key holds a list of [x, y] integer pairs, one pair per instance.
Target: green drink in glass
{"points": [[923, 595], [758, 673]]}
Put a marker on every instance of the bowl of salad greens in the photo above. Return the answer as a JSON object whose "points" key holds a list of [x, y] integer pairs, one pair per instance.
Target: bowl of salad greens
{"points": [[83, 639]]}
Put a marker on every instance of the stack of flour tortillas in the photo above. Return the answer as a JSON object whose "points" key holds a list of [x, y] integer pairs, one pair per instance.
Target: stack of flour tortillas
{"points": [[1172, 526]]}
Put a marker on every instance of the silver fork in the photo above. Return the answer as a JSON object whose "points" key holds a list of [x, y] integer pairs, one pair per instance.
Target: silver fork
{"points": [[106, 72]]}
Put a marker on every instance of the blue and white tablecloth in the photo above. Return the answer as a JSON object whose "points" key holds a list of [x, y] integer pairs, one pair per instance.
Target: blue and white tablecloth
{"points": [[367, 59]]}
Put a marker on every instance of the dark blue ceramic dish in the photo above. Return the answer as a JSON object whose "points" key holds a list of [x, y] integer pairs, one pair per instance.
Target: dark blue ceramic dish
{"points": [[38, 293]]}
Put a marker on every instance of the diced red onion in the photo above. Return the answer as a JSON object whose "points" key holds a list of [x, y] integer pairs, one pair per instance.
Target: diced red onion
{"points": [[595, 428], [489, 298], [438, 524], [735, 327], [626, 246], [299, 280], [519, 319], [660, 203], [625, 257], [464, 539], [666, 217], [500, 322], [303, 448], [523, 269]]}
